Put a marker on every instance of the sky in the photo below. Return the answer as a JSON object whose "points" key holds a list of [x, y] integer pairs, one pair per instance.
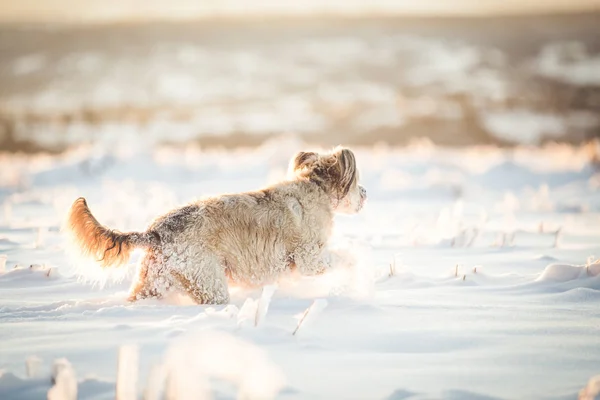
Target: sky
{"points": [[126, 10]]}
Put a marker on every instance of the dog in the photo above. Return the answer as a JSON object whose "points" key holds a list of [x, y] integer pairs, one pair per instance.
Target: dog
{"points": [[251, 239]]}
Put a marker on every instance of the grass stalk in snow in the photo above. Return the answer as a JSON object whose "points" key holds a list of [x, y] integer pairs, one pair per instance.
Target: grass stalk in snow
{"points": [[127, 373], [557, 237], [41, 237], [592, 390], [591, 260], [153, 386], [64, 381], [473, 237], [256, 310], [310, 313], [7, 211], [263, 303], [32, 365], [393, 265]]}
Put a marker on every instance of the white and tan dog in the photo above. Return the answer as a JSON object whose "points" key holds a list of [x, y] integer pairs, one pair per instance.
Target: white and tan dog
{"points": [[249, 238]]}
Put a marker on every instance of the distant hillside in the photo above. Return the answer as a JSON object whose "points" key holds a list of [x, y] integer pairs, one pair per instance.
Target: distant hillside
{"points": [[456, 81]]}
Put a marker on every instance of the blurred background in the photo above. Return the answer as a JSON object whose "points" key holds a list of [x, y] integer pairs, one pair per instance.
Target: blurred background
{"points": [[238, 73]]}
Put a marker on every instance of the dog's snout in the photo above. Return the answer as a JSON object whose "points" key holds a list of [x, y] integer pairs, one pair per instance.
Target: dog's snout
{"points": [[363, 192]]}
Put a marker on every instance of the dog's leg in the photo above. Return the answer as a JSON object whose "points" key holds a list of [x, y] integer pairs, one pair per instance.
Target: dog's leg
{"points": [[310, 260], [142, 287], [207, 284], [137, 290]]}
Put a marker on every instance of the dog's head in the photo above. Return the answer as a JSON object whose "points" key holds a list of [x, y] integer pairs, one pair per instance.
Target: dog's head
{"points": [[336, 173]]}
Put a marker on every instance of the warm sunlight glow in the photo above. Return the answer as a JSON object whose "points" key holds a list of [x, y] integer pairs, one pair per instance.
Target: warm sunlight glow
{"points": [[99, 10]]}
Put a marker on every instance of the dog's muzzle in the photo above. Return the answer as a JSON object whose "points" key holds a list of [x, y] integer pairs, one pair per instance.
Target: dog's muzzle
{"points": [[363, 196]]}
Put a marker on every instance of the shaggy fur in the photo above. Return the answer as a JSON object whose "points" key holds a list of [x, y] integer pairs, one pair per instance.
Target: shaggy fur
{"points": [[248, 238]]}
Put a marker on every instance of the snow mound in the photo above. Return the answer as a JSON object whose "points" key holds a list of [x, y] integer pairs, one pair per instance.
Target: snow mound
{"points": [[566, 272], [545, 257], [195, 358], [33, 273], [14, 387]]}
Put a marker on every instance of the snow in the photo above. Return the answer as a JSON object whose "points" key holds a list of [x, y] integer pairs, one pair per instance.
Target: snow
{"points": [[524, 126], [569, 62], [28, 64], [471, 274]]}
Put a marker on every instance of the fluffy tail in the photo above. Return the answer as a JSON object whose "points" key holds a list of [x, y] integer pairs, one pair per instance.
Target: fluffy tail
{"points": [[106, 246]]}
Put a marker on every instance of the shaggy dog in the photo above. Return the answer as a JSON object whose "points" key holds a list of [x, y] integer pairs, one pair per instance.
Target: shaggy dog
{"points": [[249, 238]]}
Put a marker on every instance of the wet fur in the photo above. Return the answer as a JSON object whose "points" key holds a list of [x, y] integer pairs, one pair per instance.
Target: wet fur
{"points": [[247, 238]]}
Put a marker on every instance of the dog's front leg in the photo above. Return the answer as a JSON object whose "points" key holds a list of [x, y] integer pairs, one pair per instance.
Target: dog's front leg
{"points": [[325, 260], [312, 260]]}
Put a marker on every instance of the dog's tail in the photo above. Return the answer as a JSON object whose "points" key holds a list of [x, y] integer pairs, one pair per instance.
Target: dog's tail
{"points": [[106, 246]]}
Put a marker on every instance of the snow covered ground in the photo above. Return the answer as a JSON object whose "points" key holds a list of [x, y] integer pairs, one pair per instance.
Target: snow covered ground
{"points": [[493, 292]]}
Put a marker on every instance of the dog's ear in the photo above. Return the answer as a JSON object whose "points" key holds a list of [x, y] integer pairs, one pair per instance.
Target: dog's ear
{"points": [[345, 164], [303, 160], [344, 156], [335, 170]]}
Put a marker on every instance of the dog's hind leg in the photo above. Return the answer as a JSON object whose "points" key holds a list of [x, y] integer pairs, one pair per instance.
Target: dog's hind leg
{"points": [[142, 286], [140, 289]]}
